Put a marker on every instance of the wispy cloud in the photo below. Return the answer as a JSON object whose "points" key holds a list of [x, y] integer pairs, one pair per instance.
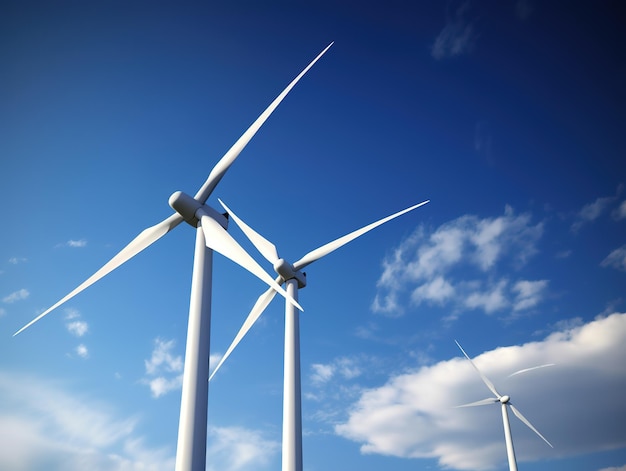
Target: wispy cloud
{"points": [[74, 243], [60, 430], [347, 368], [164, 371], [614, 468], [239, 449], [2, 312], [413, 416], [620, 213], [616, 259], [592, 211], [17, 260], [16, 296], [457, 36], [433, 265]]}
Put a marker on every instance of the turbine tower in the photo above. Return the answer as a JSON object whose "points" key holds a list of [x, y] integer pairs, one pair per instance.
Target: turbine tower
{"points": [[505, 401], [295, 279], [211, 236]]}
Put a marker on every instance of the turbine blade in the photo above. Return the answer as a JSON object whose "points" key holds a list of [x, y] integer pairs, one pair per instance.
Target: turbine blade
{"points": [[221, 241], [146, 238], [519, 415], [264, 246], [482, 402], [488, 383], [226, 161], [337, 243], [258, 308], [525, 370]]}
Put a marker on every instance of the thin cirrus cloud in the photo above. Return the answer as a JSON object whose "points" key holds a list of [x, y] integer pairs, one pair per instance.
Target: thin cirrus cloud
{"points": [[239, 449], [413, 415], [457, 36], [616, 259], [18, 295], [63, 430], [457, 264]]}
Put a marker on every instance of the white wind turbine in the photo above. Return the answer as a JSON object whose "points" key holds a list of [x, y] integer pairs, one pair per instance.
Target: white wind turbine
{"points": [[505, 401], [295, 279], [210, 235]]}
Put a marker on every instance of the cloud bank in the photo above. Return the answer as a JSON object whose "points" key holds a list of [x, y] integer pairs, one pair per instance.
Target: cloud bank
{"points": [[413, 414]]}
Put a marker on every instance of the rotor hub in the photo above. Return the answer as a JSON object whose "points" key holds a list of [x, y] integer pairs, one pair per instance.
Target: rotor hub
{"points": [[504, 399], [192, 210], [287, 272]]}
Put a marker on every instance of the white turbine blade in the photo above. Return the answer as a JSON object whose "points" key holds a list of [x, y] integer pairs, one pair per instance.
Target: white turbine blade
{"points": [[482, 402], [519, 415], [226, 161], [525, 370], [221, 241], [337, 243], [264, 246], [139, 243], [258, 308], [488, 383]]}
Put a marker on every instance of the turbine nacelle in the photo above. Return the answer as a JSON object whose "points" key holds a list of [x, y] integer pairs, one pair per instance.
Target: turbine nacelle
{"points": [[192, 210], [287, 272], [504, 399]]}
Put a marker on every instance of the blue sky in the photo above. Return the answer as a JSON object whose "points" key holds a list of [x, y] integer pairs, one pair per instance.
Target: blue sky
{"points": [[509, 116]]}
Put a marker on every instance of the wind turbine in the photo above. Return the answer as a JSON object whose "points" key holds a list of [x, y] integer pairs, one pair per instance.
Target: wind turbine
{"points": [[295, 279], [505, 401], [210, 235]]}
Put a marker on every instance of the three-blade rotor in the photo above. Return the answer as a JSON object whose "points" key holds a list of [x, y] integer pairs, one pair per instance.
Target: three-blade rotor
{"points": [[154, 233], [504, 400], [269, 251]]}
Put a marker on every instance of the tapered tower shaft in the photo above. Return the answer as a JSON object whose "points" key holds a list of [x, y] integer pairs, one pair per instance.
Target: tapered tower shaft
{"points": [[192, 427], [510, 451], [292, 407]]}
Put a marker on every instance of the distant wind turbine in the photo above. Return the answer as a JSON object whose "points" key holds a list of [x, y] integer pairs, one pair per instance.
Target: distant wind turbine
{"points": [[295, 279], [211, 236], [505, 401]]}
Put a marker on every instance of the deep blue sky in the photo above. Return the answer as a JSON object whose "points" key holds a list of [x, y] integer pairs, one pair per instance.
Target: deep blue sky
{"points": [[510, 116]]}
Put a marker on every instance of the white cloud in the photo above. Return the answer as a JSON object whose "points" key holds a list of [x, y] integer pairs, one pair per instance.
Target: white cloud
{"points": [[413, 415], [82, 351], [2, 312], [614, 468], [162, 385], [438, 290], [321, 373], [16, 296], [457, 36], [529, 293], [428, 264], [16, 260], [163, 369], [76, 243], [60, 430], [77, 328], [239, 449], [491, 300], [616, 259], [162, 359]]}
